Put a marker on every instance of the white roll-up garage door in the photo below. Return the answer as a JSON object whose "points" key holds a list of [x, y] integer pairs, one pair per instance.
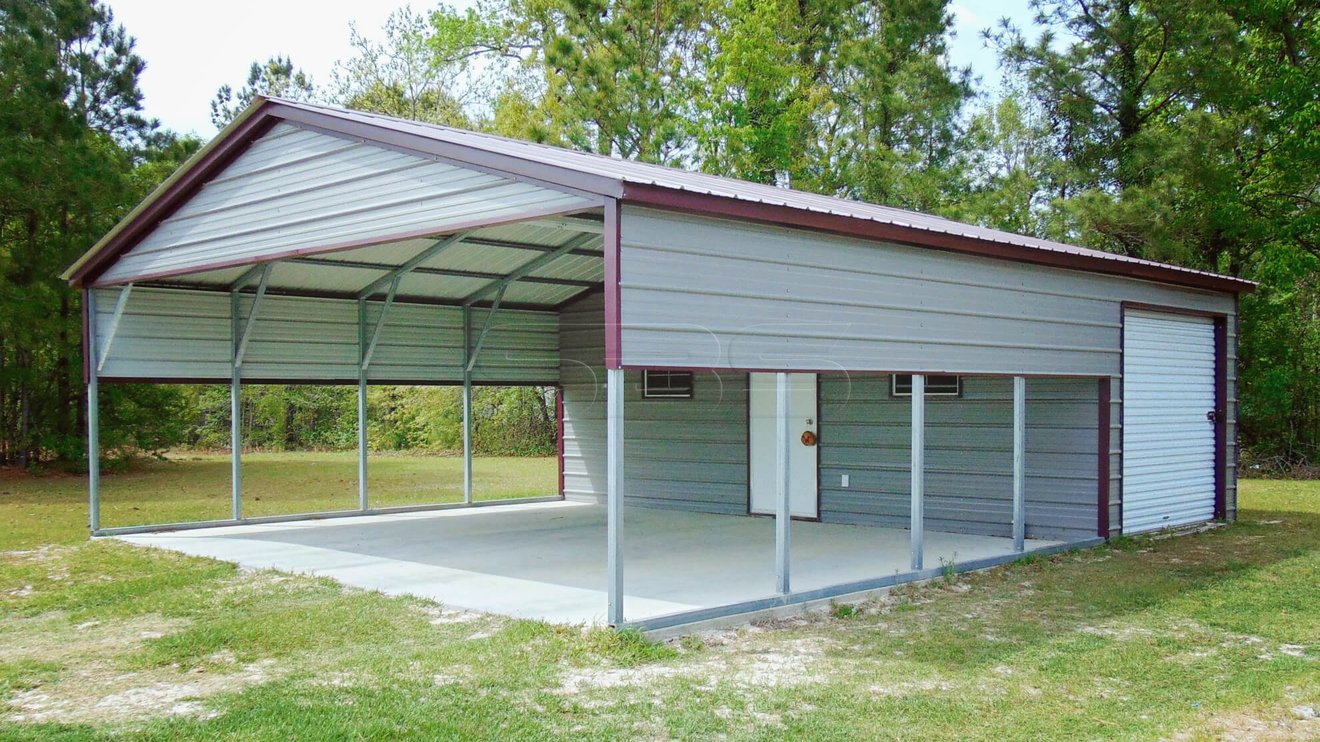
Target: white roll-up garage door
{"points": [[1168, 437]]}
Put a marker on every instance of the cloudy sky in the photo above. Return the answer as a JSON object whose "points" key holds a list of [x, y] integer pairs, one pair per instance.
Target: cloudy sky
{"points": [[191, 49]]}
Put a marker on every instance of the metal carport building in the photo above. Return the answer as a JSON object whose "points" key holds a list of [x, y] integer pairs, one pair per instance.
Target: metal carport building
{"points": [[859, 374]]}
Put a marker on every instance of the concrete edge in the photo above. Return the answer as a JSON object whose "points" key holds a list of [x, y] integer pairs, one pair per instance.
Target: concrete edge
{"points": [[292, 518], [778, 606]]}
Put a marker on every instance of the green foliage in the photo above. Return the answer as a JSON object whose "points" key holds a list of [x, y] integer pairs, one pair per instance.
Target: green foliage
{"points": [[75, 154], [1184, 132], [517, 421], [1190, 133], [276, 77], [402, 75]]}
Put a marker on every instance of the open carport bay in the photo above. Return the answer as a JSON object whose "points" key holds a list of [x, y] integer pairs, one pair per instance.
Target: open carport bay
{"points": [[546, 561]]}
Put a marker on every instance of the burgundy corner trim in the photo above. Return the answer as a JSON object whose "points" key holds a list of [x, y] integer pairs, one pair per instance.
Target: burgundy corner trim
{"points": [[612, 245], [1221, 417], [1102, 452], [86, 339], [176, 193], [686, 201], [820, 429], [335, 247], [559, 433], [1122, 413]]}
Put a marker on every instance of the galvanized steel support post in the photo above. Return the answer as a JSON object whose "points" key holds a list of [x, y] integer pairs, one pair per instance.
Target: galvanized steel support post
{"points": [[614, 494], [783, 514], [1019, 462], [467, 407], [93, 419], [362, 406], [235, 416], [918, 470], [242, 333]]}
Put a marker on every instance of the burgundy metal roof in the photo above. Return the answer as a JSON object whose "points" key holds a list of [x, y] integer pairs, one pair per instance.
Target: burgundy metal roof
{"points": [[664, 187]]}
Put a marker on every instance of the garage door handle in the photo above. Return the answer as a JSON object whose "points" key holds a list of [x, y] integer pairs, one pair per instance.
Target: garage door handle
{"points": [[1212, 416]]}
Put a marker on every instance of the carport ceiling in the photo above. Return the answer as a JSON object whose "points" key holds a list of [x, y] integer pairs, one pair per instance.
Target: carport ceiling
{"points": [[567, 249]]}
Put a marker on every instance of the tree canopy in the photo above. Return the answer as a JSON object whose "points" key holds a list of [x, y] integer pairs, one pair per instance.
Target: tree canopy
{"points": [[1186, 132]]}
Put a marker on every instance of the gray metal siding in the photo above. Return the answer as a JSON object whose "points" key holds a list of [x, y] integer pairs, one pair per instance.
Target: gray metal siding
{"points": [[717, 293], [688, 454], [176, 334], [301, 190], [582, 381], [866, 434]]}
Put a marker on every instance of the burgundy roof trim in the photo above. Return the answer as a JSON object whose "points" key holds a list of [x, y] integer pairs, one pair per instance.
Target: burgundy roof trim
{"points": [[585, 174], [175, 194], [574, 182], [776, 214]]}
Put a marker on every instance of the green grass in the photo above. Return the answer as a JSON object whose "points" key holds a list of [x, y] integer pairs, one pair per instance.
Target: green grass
{"points": [[52, 508], [1210, 636]]}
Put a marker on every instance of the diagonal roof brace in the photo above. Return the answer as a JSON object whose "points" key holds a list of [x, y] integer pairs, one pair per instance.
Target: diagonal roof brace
{"points": [[485, 328], [370, 349], [528, 268], [248, 276], [114, 326], [395, 275], [241, 342]]}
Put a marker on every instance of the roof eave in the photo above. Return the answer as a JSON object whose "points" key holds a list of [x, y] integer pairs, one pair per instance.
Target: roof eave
{"points": [[260, 117], [175, 189], [724, 206]]}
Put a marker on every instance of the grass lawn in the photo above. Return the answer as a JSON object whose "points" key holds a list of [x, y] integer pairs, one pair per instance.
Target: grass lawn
{"points": [[1215, 635], [52, 509]]}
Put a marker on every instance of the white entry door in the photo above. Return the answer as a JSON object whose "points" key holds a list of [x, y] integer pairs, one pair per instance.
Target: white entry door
{"points": [[763, 433], [1168, 433]]}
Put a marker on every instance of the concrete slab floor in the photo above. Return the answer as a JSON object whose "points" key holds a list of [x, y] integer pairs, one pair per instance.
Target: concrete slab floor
{"points": [[546, 561]]}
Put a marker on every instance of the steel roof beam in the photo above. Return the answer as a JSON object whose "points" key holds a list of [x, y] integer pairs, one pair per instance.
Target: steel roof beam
{"points": [[451, 272], [400, 299]]}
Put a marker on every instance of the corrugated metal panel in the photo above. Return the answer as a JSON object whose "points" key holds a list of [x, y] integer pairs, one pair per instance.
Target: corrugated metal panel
{"points": [[638, 173], [582, 378], [574, 268], [172, 334], [688, 454], [1168, 444], [723, 294], [865, 434], [166, 334], [541, 293], [297, 190]]}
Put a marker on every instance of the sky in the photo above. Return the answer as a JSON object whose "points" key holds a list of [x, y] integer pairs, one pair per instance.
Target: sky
{"points": [[191, 53]]}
